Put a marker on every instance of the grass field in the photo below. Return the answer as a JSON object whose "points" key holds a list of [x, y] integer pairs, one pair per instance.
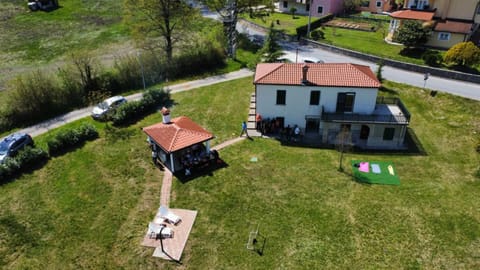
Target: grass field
{"points": [[90, 207], [285, 21]]}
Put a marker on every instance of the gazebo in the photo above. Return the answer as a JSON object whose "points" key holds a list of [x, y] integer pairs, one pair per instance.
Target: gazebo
{"points": [[180, 142]]}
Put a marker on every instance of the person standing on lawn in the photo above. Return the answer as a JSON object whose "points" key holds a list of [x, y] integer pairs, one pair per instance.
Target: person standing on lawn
{"points": [[244, 129]]}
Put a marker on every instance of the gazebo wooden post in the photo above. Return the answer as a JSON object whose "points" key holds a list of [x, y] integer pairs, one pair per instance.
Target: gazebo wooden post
{"points": [[207, 146]]}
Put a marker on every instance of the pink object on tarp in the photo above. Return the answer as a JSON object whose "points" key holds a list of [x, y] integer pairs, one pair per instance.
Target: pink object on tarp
{"points": [[363, 167]]}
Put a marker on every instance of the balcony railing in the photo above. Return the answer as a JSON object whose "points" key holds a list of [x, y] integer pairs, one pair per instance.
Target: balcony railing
{"points": [[401, 118]]}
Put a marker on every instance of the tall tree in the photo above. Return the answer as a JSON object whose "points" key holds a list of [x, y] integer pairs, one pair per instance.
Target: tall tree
{"points": [[228, 11], [412, 33], [271, 51], [167, 19]]}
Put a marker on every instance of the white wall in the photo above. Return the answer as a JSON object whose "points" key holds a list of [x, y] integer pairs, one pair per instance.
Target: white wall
{"points": [[298, 102]]}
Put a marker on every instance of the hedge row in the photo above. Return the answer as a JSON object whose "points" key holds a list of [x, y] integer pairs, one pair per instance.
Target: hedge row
{"points": [[302, 30], [132, 111], [69, 138], [26, 159]]}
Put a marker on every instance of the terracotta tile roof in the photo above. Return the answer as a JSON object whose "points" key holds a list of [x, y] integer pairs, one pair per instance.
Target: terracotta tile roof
{"points": [[329, 74], [181, 132], [413, 15], [453, 27]]}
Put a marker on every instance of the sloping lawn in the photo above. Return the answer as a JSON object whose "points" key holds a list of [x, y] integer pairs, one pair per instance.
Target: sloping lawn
{"points": [[281, 21], [90, 207]]}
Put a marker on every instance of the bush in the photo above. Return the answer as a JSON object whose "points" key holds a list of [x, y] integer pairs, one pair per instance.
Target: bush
{"points": [[432, 58], [463, 54], [317, 34], [26, 159], [132, 111], [67, 139], [302, 30]]}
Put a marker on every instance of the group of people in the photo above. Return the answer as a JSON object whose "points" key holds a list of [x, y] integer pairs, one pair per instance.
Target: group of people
{"points": [[274, 126]]}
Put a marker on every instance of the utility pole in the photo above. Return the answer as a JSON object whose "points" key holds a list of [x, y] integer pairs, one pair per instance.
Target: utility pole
{"points": [[309, 17], [139, 55]]}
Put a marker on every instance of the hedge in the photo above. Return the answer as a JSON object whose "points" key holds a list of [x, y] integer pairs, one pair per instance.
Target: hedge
{"points": [[26, 159], [302, 30], [132, 111], [67, 139]]}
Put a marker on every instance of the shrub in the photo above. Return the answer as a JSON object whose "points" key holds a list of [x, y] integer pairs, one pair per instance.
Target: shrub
{"points": [[67, 139], [463, 54], [132, 111], [302, 30], [317, 34], [26, 159], [432, 58]]}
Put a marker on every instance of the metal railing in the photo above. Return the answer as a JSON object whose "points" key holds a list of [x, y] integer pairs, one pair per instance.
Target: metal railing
{"points": [[398, 119]]}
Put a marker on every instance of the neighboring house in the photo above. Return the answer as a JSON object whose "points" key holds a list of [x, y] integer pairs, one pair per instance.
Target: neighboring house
{"points": [[378, 6], [324, 98], [452, 21], [317, 8], [175, 139]]}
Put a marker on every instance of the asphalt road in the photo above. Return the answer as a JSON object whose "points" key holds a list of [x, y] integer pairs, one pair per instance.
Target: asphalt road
{"points": [[459, 88]]}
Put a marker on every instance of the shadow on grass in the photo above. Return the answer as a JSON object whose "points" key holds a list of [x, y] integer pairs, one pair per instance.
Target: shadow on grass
{"points": [[201, 171], [413, 144], [413, 52], [384, 89]]}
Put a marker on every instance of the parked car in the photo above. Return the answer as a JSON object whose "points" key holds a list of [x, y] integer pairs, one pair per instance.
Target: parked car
{"points": [[11, 144], [312, 60], [107, 107]]}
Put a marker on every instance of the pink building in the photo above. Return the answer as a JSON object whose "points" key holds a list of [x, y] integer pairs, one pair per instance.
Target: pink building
{"points": [[317, 8]]}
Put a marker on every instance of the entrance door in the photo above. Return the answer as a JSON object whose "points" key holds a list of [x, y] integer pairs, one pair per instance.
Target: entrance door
{"points": [[312, 125], [364, 132]]}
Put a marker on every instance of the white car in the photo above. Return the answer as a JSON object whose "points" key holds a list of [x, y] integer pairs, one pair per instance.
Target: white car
{"points": [[312, 60], [103, 109]]}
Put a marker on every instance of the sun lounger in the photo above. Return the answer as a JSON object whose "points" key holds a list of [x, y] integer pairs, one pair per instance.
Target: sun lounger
{"points": [[154, 231], [168, 215]]}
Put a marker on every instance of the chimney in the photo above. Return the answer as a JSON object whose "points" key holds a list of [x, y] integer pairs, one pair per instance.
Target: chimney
{"points": [[304, 74], [165, 115]]}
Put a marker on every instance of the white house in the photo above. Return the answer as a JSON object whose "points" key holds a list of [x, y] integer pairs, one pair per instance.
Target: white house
{"points": [[324, 98]]}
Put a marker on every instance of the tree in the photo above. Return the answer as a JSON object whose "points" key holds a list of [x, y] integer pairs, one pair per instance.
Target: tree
{"points": [[167, 19], [292, 11], [228, 11], [271, 51], [463, 54], [351, 5], [343, 143], [412, 33], [379, 74]]}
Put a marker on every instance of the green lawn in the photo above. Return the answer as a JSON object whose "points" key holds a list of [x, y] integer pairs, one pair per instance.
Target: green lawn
{"points": [[89, 208], [285, 21]]}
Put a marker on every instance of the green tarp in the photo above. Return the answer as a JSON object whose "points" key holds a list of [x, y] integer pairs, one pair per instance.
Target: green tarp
{"points": [[375, 172]]}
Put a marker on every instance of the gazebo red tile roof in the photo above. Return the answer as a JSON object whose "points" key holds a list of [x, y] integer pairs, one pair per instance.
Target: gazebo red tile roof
{"points": [[318, 74], [181, 132], [453, 27], [413, 15]]}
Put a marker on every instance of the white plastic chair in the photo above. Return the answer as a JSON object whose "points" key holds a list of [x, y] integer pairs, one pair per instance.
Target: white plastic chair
{"points": [[168, 215], [155, 229]]}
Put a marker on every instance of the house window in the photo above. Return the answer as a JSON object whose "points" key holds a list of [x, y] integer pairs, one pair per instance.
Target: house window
{"points": [[443, 36], [388, 134], [320, 10], [345, 102], [307, 7], [379, 4], [281, 97], [314, 97], [285, 4]]}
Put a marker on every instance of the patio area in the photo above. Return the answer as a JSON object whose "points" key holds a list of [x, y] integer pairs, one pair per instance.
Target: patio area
{"points": [[173, 247]]}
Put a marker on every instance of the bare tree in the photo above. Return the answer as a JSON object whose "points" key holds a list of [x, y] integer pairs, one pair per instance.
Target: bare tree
{"points": [[343, 143], [228, 11], [167, 19]]}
